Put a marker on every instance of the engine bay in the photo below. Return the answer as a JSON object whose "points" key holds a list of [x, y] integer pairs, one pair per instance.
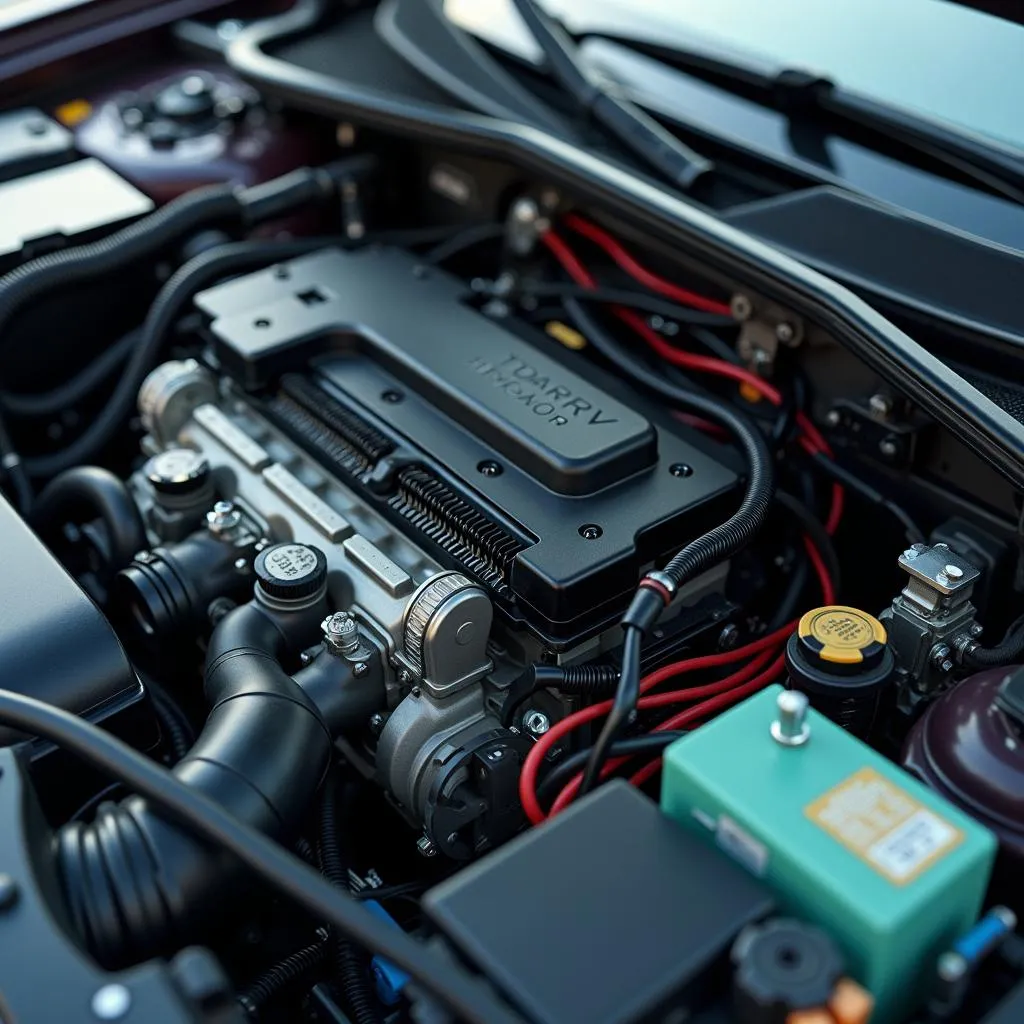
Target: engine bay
{"points": [[434, 591]]}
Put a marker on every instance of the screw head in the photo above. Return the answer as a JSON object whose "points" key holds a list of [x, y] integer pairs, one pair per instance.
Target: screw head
{"points": [[8, 892], [536, 722], [415, 692], [680, 469], [377, 723], [741, 306], [392, 397], [888, 447], [490, 468], [785, 332], [405, 677], [111, 1002], [977, 629], [954, 572], [729, 637], [590, 531], [425, 847], [880, 405], [833, 418], [360, 669]]}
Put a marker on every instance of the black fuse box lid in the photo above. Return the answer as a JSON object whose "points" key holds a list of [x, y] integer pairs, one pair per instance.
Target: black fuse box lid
{"points": [[611, 913]]}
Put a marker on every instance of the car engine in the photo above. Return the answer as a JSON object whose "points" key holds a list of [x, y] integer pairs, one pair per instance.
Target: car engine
{"points": [[416, 614]]}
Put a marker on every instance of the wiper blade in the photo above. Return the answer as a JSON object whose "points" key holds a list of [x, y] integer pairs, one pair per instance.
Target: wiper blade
{"points": [[636, 130], [804, 93]]}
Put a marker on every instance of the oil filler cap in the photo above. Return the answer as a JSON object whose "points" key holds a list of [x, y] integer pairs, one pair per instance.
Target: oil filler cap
{"points": [[839, 657], [290, 576], [838, 635]]}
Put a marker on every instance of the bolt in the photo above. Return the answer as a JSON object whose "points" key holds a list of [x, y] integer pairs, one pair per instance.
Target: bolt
{"points": [[241, 565], [525, 210], [889, 447], [496, 755], [360, 669], [954, 572], [111, 1002], [415, 692], [345, 135], [590, 531], [785, 332], [8, 892], [910, 554], [306, 658], [405, 677], [728, 638], [741, 306], [680, 469], [453, 838], [790, 729], [490, 468], [977, 629], [377, 723], [392, 397], [952, 966], [833, 418], [341, 632], [880, 405], [940, 657], [941, 544], [223, 519], [536, 722], [946, 666], [425, 847]]}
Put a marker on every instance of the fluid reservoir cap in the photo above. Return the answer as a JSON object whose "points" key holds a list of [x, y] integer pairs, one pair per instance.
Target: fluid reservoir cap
{"points": [[290, 575], [839, 635], [177, 472], [783, 966]]}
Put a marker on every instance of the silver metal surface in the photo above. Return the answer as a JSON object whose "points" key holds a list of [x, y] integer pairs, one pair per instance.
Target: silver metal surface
{"points": [[536, 722], [375, 563], [224, 519], [169, 395], [791, 729], [341, 632], [236, 440], [333, 525], [447, 628]]}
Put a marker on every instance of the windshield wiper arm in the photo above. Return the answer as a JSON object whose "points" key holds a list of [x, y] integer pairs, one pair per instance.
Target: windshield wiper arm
{"points": [[636, 130], [804, 93]]}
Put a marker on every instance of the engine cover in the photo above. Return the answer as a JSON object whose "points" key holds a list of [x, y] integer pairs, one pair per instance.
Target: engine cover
{"points": [[504, 455]]}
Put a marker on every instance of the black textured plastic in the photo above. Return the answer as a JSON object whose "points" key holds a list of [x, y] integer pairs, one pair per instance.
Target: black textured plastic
{"points": [[290, 572]]}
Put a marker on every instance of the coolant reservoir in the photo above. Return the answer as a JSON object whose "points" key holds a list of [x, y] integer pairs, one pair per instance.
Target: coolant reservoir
{"points": [[969, 746]]}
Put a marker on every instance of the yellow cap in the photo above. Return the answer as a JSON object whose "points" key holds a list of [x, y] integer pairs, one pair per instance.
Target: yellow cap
{"points": [[841, 635]]}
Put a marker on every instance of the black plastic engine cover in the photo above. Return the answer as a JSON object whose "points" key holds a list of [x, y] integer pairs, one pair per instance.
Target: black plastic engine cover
{"points": [[507, 455], [55, 644]]}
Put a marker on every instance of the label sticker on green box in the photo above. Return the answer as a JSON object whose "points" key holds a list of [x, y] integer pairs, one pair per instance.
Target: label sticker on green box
{"points": [[884, 826]]}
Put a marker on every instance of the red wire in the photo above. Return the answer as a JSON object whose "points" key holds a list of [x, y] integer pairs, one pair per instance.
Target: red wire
{"points": [[729, 691], [642, 274]]}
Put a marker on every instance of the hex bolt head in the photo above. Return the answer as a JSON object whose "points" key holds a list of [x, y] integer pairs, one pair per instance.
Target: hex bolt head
{"points": [[536, 722]]}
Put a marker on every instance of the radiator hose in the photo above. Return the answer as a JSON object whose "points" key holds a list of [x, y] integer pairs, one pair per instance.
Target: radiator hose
{"points": [[136, 885]]}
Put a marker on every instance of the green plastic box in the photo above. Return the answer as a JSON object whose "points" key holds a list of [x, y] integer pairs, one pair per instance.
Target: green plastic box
{"points": [[846, 839]]}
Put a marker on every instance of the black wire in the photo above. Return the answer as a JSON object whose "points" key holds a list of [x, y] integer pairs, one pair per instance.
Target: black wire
{"points": [[815, 530], [72, 391], [296, 967], [643, 301], [555, 781], [913, 532], [390, 892], [466, 996], [711, 548], [623, 708], [475, 234], [790, 603], [173, 721]]}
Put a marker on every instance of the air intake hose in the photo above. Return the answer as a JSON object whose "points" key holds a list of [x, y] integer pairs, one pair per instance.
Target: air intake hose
{"points": [[136, 885]]}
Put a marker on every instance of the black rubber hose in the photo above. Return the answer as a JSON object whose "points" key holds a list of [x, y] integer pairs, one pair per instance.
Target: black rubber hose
{"points": [[1008, 651], [351, 969], [578, 680], [89, 492], [726, 539], [468, 997], [301, 965], [72, 391], [138, 886], [174, 296]]}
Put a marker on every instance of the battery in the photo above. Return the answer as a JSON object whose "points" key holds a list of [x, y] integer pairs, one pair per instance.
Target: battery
{"points": [[846, 839]]}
